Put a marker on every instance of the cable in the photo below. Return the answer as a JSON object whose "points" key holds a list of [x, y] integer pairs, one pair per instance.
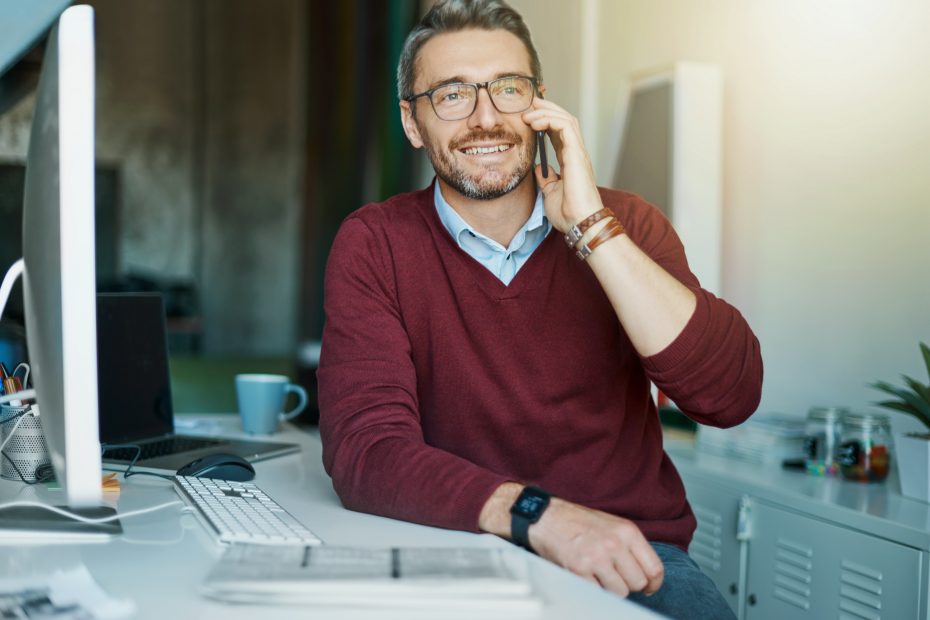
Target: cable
{"points": [[12, 274], [20, 473], [15, 416], [27, 368], [90, 520], [9, 436], [128, 471]]}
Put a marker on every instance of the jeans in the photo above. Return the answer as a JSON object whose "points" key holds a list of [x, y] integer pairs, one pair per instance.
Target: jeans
{"points": [[686, 592]]}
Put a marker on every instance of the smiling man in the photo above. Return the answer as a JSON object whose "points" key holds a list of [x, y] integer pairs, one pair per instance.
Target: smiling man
{"points": [[478, 374]]}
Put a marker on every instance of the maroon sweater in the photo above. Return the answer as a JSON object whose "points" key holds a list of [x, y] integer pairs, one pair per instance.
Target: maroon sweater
{"points": [[437, 382]]}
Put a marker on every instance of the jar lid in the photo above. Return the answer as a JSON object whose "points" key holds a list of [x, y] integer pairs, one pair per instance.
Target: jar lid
{"points": [[827, 414], [866, 420]]}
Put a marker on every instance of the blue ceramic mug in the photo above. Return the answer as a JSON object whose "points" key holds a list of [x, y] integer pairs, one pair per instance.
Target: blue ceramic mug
{"points": [[261, 401]]}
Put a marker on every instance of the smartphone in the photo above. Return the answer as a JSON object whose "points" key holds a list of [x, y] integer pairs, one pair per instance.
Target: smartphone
{"points": [[541, 145]]}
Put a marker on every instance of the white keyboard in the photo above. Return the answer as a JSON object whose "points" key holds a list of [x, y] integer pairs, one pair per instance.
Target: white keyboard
{"points": [[241, 512]]}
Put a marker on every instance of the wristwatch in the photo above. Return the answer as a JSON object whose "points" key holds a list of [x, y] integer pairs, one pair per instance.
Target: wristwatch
{"points": [[526, 511]]}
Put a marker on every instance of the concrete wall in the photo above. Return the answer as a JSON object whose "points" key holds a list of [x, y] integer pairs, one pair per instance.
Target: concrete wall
{"points": [[254, 136], [146, 115], [826, 159], [200, 105]]}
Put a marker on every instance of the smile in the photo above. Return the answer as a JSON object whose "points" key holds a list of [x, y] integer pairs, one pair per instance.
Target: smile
{"points": [[487, 150]]}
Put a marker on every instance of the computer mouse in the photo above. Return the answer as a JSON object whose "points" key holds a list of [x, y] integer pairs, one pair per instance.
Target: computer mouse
{"points": [[222, 466]]}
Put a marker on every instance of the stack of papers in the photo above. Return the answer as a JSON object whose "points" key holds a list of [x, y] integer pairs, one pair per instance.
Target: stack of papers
{"points": [[766, 439], [472, 578]]}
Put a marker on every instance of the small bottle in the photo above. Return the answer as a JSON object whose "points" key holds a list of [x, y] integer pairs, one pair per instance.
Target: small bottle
{"points": [[821, 439], [865, 447]]}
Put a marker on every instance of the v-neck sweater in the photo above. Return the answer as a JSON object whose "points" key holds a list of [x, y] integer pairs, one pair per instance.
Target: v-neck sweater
{"points": [[438, 382]]}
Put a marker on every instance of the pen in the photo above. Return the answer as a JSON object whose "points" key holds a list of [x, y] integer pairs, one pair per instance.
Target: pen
{"points": [[11, 385]]}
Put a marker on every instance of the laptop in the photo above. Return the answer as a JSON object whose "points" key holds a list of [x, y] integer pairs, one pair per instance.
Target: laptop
{"points": [[134, 391]]}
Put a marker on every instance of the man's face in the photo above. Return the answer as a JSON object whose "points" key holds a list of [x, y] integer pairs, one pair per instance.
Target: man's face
{"points": [[489, 153]]}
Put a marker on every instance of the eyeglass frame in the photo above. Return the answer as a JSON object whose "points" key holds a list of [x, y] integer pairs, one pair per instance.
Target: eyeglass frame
{"points": [[478, 86]]}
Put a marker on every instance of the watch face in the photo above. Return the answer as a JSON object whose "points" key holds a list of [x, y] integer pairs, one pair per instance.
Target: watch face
{"points": [[530, 506]]}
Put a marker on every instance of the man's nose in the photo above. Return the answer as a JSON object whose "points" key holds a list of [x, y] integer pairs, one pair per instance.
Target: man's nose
{"points": [[485, 115]]}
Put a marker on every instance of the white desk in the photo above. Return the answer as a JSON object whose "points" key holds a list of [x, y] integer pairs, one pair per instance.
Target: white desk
{"points": [[163, 557]]}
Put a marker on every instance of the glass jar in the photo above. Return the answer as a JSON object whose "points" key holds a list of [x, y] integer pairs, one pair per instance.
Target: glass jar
{"points": [[821, 439], [865, 447]]}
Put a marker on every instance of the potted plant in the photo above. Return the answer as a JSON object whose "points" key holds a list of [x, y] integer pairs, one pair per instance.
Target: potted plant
{"points": [[912, 449]]}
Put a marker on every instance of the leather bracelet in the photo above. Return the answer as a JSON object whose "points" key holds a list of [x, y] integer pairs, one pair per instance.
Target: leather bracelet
{"points": [[574, 234], [613, 229]]}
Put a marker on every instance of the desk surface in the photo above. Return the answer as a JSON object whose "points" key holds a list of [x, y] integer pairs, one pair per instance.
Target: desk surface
{"points": [[163, 557]]}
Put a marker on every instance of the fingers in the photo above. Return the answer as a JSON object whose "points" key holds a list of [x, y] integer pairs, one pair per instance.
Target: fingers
{"points": [[542, 182], [651, 565], [550, 117], [597, 546], [564, 132]]}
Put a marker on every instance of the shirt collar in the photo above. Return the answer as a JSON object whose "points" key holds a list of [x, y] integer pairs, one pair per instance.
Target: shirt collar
{"points": [[456, 226]]}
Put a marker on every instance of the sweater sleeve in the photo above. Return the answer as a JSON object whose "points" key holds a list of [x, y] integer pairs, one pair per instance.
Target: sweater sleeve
{"points": [[373, 444], [713, 368]]}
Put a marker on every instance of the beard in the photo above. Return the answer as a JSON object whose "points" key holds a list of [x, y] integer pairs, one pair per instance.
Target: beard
{"points": [[490, 182]]}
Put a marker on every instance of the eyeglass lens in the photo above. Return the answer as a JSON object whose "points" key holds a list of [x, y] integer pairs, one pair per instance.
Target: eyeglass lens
{"points": [[457, 101]]}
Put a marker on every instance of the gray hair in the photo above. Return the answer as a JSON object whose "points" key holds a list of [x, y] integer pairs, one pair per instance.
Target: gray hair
{"points": [[456, 15]]}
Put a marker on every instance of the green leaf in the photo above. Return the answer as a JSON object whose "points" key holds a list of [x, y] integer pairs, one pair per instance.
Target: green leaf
{"points": [[905, 408], [897, 405], [884, 387], [907, 396], [925, 350], [919, 388]]}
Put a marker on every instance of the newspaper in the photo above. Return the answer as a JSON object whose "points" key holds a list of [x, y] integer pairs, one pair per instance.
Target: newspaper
{"points": [[349, 576], [64, 595]]}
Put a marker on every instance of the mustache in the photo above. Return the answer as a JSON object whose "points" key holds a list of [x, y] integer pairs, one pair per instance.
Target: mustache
{"points": [[483, 135]]}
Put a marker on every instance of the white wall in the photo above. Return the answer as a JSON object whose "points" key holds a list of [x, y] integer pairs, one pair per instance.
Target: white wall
{"points": [[826, 171]]}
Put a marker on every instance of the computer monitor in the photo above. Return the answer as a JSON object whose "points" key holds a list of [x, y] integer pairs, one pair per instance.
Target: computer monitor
{"points": [[59, 281]]}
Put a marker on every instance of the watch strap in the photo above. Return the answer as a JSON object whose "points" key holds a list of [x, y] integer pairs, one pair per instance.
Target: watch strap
{"points": [[520, 531]]}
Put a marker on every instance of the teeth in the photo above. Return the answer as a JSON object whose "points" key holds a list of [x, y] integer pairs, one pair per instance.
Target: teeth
{"points": [[484, 150]]}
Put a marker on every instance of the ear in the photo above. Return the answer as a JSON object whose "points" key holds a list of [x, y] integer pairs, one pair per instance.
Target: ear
{"points": [[542, 90], [410, 124]]}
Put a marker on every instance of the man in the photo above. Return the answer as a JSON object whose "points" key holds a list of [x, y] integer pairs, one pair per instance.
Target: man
{"points": [[472, 364]]}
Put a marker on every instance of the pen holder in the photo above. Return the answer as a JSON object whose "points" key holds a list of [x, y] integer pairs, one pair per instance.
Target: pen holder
{"points": [[26, 451]]}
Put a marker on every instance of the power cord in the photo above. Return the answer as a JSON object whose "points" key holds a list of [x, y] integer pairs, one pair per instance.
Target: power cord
{"points": [[43, 473], [128, 471]]}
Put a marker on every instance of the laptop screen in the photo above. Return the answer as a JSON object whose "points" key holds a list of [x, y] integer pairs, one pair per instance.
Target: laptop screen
{"points": [[134, 386]]}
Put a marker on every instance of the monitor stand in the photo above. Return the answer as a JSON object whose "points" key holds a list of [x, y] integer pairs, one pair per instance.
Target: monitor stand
{"points": [[27, 524]]}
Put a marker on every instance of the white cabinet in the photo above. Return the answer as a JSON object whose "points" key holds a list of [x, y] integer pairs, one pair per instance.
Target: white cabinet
{"points": [[714, 546], [808, 548]]}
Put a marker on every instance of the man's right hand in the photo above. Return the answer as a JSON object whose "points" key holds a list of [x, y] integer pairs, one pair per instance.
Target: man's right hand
{"points": [[604, 549], [598, 546]]}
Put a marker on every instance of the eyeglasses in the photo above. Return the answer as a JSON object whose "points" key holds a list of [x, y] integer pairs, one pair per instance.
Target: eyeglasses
{"points": [[453, 102]]}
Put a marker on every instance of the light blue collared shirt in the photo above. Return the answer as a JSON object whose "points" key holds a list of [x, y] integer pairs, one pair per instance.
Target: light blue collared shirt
{"points": [[503, 262]]}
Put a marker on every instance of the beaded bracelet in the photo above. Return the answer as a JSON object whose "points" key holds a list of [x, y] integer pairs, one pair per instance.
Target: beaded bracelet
{"points": [[613, 229]]}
